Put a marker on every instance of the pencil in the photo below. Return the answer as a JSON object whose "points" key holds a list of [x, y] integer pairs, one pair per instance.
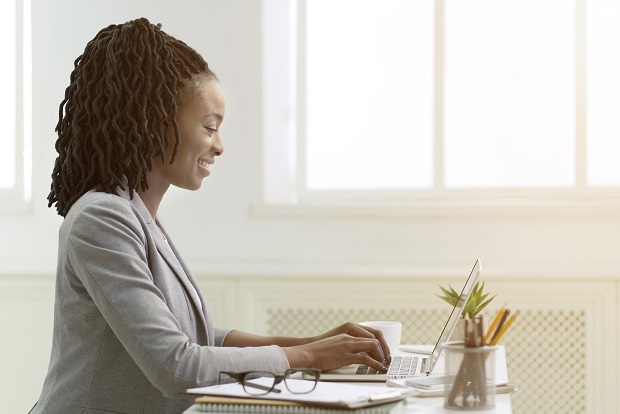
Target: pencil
{"points": [[493, 325], [500, 325], [504, 328]]}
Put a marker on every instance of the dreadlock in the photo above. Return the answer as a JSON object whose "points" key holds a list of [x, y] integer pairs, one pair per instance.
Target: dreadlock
{"points": [[118, 109]]}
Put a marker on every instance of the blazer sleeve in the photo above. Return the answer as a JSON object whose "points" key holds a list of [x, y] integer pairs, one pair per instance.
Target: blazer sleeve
{"points": [[106, 248], [220, 336]]}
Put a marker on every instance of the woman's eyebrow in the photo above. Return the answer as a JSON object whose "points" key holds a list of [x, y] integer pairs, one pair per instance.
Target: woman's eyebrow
{"points": [[215, 115]]}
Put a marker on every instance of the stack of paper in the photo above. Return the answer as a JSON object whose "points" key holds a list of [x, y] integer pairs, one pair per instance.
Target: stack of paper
{"points": [[326, 398]]}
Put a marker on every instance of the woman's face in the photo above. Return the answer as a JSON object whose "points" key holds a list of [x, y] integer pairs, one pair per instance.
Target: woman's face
{"points": [[200, 115]]}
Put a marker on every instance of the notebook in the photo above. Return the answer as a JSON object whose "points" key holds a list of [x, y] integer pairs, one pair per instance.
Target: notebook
{"points": [[419, 360], [292, 408], [328, 395]]}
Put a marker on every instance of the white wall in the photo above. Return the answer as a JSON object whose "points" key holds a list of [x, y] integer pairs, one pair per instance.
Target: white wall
{"points": [[214, 227]]}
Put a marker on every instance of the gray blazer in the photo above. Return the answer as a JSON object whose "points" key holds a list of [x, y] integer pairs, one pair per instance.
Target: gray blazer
{"points": [[131, 329]]}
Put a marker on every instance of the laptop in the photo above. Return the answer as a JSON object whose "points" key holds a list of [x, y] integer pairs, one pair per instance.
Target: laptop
{"points": [[417, 361]]}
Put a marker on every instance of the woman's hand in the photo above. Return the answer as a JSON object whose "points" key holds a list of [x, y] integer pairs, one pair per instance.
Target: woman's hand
{"points": [[360, 331], [346, 344]]}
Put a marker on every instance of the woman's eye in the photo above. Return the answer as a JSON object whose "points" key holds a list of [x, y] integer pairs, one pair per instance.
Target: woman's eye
{"points": [[211, 130]]}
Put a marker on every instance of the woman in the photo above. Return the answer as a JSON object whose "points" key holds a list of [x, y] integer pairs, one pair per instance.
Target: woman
{"points": [[131, 329]]}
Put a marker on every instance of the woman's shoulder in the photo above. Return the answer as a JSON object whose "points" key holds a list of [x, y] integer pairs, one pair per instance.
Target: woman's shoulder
{"points": [[102, 222], [97, 206], [99, 199]]}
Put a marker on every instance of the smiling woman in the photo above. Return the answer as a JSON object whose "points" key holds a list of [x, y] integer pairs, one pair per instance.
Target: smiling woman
{"points": [[201, 113], [102, 153], [199, 119], [132, 330]]}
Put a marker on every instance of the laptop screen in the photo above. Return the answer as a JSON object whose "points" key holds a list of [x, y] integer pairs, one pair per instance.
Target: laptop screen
{"points": [[457, 310]]}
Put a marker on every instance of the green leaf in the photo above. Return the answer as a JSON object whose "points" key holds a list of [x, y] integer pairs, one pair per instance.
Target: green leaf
{"points": [[478, 299], [484, 305], [447, 299], [445, 291], [453, 292]]}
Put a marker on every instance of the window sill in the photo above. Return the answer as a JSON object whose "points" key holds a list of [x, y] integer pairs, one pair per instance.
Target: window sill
{"points": [[442, 208]]}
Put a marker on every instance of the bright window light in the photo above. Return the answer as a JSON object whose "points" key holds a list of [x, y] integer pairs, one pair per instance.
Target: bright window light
{"points": [[8, 81], [509, 93], [369, 94], [603, 90]]}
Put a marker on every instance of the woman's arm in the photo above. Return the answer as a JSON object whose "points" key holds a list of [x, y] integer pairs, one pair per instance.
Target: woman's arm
{"points": [[243, 339], [346, 344]]}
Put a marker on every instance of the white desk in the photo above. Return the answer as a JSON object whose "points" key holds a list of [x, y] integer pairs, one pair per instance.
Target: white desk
{"points": [[435, 406], [414, 405]]}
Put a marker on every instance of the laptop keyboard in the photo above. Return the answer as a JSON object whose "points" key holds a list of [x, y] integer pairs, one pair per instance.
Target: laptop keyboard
{"points": [[400, 365]]}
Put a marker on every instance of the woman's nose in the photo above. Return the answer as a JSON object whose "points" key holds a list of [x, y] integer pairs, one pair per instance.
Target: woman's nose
{"points": [[217, 148]]}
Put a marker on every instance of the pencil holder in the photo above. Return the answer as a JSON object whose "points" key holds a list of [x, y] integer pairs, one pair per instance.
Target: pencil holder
{"points": [[471, 371]]}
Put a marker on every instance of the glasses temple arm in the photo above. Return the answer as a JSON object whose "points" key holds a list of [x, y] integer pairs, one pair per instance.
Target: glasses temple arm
{"points": [[260, 387]]}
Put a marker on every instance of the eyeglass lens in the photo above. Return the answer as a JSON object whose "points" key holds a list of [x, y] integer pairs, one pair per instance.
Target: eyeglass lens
{"points": [[300, 381], [297, 381], [254, 383], [259, 382]]}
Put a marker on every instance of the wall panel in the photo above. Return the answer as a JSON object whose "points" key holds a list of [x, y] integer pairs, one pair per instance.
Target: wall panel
{"points": [[561, 352]]}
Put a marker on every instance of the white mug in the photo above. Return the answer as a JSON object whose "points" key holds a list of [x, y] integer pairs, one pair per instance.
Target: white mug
{"points": [[391, 332]]}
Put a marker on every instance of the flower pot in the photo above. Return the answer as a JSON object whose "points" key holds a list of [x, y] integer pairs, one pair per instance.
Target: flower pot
{"points": [[459, 331]]}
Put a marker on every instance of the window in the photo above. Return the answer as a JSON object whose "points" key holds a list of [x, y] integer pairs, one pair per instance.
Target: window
{"points": [[509, 101], [432, 98], [603, 90], [15, 102], [8, 32], [368, 94]]}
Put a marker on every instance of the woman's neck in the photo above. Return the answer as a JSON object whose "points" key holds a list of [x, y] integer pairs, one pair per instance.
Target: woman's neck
{"points": [[153, 196]]}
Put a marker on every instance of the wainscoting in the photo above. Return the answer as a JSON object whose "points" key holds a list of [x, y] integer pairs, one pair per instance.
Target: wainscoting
{"points": [[562, 351]]}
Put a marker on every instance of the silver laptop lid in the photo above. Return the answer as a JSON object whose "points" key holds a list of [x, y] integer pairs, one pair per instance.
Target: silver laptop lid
{"points": [[448, 328]]}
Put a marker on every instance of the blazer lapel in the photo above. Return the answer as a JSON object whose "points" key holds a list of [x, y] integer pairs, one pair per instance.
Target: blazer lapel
{"points": [[171, 257], [169, 253]]}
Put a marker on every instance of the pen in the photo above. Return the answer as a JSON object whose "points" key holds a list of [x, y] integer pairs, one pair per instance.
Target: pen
{"points": [[493, 325], [504, 328]]}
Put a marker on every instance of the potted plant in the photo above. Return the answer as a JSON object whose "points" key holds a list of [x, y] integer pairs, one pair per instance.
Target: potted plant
{"points": [[476, 303]]}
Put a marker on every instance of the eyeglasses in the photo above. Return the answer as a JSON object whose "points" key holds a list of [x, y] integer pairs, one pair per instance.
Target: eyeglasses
{"points": [[296, 380]]}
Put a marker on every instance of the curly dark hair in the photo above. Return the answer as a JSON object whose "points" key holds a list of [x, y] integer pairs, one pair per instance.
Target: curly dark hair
{"points": [[120, 104]]}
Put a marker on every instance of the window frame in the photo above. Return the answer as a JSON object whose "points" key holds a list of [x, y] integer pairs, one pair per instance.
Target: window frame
{"points": [[18, 198], [284, 143]]}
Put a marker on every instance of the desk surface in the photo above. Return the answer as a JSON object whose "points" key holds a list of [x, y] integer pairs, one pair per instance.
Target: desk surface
{"points": [[414, 405], [435, 406]]}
